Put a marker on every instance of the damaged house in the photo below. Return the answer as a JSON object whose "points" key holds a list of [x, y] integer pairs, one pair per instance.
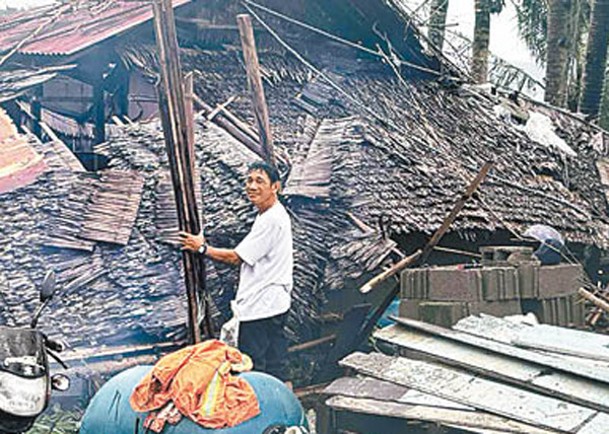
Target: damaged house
{"points": [[379, 148]]}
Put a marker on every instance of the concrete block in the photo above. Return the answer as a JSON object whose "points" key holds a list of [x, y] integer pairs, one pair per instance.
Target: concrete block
{"points": [[442, 313], [500, 283], [528, 279], [498, 308], [414, 283], [559, 280], [454, 284], [409, 309], [559, 311]]}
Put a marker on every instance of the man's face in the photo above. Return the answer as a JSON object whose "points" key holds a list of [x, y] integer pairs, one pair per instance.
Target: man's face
{"points": [[259, 188]]}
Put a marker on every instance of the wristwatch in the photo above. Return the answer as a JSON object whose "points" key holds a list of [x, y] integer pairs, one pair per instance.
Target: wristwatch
{"points": [[203, 249]]}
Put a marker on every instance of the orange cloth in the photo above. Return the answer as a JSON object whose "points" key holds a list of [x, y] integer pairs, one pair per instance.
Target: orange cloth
{"points": [[198, 381]]}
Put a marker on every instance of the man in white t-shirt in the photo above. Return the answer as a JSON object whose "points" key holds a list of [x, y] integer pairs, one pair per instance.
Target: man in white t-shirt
{"points": [[265, 282]]}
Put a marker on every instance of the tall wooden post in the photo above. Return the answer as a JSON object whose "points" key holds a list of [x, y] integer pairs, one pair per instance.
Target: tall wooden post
{"points": [[254, 81], [99, 112], [37, 110], [179, 140]]}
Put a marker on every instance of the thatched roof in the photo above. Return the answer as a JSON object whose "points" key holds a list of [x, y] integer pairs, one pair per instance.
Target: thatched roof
{"points": [[384, 150]]}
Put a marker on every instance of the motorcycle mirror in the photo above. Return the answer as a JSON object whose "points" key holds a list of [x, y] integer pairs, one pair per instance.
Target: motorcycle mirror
{"points": [[47, 289], [60, 382]]}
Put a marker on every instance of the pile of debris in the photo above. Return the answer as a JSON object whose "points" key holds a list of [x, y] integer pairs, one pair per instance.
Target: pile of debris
{"points": [[485, 375]]}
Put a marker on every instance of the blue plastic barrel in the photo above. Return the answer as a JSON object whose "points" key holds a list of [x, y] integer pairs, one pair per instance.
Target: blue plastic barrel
{"points": [[109, 412], [392, 310]]}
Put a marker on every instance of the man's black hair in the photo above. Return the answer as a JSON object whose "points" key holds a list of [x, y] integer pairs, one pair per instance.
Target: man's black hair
{"points": [[266, 168]]}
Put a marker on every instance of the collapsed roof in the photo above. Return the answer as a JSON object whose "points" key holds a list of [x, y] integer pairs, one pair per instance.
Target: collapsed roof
{"points": [[370, 147]]}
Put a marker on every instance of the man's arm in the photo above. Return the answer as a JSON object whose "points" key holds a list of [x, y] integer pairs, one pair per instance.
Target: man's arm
{"points": [[228, 256], [192, 243]]}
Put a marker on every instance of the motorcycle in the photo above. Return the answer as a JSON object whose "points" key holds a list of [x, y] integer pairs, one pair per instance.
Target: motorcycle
{"points": [[25, 380]]}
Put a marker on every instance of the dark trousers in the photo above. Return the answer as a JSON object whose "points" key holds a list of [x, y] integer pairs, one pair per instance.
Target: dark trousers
{"points": [[265, 342]]}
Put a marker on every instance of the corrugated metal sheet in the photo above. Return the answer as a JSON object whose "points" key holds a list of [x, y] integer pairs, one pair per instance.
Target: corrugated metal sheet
{"points": [[20, 164], [74, 30]]}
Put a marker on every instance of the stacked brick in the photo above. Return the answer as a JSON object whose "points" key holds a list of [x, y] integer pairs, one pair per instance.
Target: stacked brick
{"points": [[508, 282]]}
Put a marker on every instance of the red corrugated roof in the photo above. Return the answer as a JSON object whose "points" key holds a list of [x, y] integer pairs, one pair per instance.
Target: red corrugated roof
{"points": [[74, 30], [20, 164]]}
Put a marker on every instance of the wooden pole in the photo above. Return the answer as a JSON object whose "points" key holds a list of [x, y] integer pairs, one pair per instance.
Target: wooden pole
{"points": [[254, 81], [243, 136], [37, 110], [178, 128], [99, 112], [437, 236], [375, 281], [597, 301]]}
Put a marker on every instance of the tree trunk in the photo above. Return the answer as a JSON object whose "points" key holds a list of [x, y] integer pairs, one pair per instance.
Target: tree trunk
{"points": [[437, 22], [557, 52], [604, 114], [596, 58], [481, 42]]}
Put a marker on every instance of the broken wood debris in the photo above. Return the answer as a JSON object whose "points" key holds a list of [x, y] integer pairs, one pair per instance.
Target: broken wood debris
{"points": [[111, 215], [99, 208], [472, 383]]}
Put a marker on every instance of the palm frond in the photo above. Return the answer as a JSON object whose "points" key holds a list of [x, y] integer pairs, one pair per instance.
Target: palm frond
{"points": [[532, 17]]}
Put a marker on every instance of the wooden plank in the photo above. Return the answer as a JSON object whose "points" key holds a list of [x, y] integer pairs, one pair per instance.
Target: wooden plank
{"points": [[598, 372], [366, 387], [112, 211], [373, 388], [483, 394], [532, 376], [502, 330], [564, 341], [252, 66], [598, 425], [445, 417], [311, 176]]}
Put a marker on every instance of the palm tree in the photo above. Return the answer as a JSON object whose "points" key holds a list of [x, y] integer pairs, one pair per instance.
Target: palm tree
{"points": [[557, 51], [596, 58], [437, 22], [564, 50], [532, 16], [604, 112], [482, 30], [480, 45]]}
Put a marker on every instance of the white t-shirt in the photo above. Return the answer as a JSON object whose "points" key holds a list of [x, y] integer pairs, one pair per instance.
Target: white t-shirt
{"points": [[265, 282]]}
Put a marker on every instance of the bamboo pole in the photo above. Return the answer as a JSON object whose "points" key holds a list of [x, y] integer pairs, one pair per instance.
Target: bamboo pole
{"points": [[377, 280], [254, 80], [243, 136], [437, 236], [597, 301], [176, 116]]}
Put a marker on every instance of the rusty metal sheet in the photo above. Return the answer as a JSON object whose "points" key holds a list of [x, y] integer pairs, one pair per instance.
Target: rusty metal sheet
{"points": [[20, 164], [483, 394], [74, 30]]}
